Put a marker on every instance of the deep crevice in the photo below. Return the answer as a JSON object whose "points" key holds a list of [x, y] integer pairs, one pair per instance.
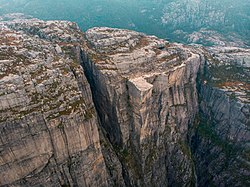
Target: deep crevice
{"points": [[106, 114]]}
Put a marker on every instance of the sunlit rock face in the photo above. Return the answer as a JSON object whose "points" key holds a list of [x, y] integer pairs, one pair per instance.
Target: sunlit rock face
{"points": [[48, 123], [113, 107], [145, 94]]}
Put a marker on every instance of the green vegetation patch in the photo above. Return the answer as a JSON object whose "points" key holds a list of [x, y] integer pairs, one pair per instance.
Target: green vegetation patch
{"points": [[206, 130]]}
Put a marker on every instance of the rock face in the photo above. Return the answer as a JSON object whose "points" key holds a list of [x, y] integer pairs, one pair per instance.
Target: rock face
{"points": [[144, 91], [113, 107], [221, 142], [220, 145], [48, 123]]}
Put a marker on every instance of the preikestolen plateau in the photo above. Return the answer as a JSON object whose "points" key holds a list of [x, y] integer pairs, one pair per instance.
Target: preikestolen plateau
{"points": [[109, 93]]}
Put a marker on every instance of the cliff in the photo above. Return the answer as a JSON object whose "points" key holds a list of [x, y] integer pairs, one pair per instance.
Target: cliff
{"points": [[113, 107], [144, 90], [48, 124], [221, 142]]}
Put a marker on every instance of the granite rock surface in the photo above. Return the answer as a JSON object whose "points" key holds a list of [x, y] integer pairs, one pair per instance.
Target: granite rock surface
{"points": [[113, 107]]}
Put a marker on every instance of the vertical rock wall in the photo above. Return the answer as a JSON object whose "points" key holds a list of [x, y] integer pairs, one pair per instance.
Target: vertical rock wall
{"points": [[48, 124], [145, 110]]}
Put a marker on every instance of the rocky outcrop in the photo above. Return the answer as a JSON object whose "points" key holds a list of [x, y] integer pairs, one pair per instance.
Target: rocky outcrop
{"points": [[144, 91], [220, 145], [113, 107], [48, 124], [221, 142]]}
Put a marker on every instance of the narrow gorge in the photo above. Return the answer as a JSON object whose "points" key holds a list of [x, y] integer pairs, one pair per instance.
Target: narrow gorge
{"points": [[113, 107]]}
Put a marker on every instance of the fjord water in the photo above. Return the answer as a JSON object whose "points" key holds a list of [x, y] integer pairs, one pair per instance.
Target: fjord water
{"points": [[156, 17], [144, 16]]}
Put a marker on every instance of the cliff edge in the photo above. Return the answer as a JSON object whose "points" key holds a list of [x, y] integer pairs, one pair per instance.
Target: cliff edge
{"points": [[113, 107]]}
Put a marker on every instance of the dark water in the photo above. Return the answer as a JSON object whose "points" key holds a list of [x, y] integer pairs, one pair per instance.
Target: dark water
{"points": [[224, 16], [143, 16]]}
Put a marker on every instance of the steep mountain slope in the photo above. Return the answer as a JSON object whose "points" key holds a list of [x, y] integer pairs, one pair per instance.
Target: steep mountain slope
{"points": [[144, 91], [220, 141], [48, 123], [225, 18], [114, 107]]}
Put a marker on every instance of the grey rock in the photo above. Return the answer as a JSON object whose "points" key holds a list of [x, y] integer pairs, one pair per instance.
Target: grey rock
{"points": [[113, 107], [48, 124]]}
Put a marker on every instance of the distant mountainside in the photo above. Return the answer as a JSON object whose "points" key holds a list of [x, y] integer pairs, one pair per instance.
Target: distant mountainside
{"points": [[187, 21], [228, 18]]}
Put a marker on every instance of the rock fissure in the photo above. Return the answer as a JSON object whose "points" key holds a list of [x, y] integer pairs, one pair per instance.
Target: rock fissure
{"points": [[113, 107]]}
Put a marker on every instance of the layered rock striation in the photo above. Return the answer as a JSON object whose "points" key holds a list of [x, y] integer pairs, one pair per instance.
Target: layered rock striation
{"points": [[113, 107], [144, 91], [48, 124], [221, 142]]}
